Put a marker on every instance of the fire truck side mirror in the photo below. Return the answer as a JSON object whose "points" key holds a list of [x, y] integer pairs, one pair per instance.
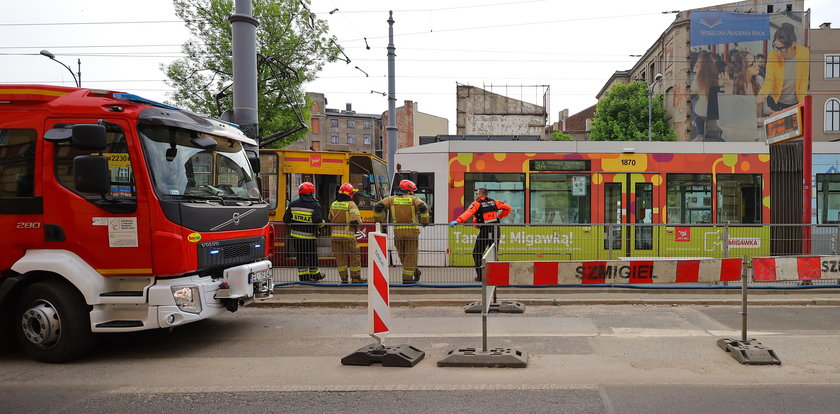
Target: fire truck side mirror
{"points": [[91, 174], [253, 154], [254, 161], [88, 137]]}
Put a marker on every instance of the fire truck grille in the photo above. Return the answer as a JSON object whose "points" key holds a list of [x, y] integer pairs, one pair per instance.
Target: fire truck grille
{"points": [[225, 253]]}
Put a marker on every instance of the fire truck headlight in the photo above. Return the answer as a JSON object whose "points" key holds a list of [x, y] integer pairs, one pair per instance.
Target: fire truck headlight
{"points": [[187, 298]]}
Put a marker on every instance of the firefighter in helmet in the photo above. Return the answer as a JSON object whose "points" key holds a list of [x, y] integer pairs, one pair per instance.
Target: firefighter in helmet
{"points": [[303, 215], [344, 216], [406, 211], [485, 213]]}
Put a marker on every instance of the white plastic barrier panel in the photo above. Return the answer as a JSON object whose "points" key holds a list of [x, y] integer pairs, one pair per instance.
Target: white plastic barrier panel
{"points": [[613, 271], [767, 269], [379, 314]]}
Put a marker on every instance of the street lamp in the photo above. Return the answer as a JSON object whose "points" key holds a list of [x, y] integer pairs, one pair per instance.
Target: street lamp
{"points": [[78, 80], [656, 78]]}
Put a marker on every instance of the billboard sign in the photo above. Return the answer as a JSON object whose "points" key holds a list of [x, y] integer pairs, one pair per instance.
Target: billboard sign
{"points": [[743, 68], [716, 28]]}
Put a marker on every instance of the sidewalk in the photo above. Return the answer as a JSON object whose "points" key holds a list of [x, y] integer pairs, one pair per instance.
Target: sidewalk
{"points": [[326, 296]]}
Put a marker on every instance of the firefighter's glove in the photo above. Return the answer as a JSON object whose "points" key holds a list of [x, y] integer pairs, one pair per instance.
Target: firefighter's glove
{"points": [[453, 223]]}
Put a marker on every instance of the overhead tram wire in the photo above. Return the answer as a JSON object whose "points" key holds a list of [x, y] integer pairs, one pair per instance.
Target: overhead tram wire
{"points": [[734, 7], [367, 47]]}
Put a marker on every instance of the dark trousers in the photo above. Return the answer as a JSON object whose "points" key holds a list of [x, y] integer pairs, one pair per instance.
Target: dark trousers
{"points": [[306, 253], [486, 237]]}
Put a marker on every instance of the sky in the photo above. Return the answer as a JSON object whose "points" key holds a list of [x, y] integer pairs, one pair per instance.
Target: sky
{"points": [[513, 47]]}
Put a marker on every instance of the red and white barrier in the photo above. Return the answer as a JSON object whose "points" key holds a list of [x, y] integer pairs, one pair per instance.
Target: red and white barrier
{"points": [[796, 268], [379, 314], [613, 271]]}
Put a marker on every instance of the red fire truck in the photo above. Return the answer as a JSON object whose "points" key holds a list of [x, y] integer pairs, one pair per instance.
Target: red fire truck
{"points": [[121, 214]]}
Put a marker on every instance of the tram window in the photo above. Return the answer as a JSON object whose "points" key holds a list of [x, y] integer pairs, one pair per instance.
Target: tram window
{"points": [[425, 182], [828, 198], [739, 198], [643, 215], [560, 198], [360, 171], [269, 177], [506, 187], [380, 172], [689, 198], [612, 215]]}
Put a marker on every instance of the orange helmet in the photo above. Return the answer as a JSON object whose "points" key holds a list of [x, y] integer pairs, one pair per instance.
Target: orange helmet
{"points": [[408, 185], [347, 189], [306, 188]]}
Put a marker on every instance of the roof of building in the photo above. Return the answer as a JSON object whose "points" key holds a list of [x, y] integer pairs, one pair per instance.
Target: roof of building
{"points": [[577, 122]]}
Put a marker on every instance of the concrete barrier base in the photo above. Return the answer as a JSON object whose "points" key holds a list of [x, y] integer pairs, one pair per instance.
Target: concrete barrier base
{"points": [[388, 356], [493, 358], [749, 352], [505, 306]]}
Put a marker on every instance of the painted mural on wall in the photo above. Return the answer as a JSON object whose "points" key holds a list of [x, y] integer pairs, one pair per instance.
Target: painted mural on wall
{"points": [[744, 67]]}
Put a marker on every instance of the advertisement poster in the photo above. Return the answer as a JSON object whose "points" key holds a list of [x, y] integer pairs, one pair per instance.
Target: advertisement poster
{"points": [[744, 67]]}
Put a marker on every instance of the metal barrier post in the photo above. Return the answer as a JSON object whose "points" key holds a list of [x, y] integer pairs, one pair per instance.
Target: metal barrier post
{"points": [[744, 300], [379, 312], [747, 351], [725, 240], [506, 306], [484, 294], [496, 357]]}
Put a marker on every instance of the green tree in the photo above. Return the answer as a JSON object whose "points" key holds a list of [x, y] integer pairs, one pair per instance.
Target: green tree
{"points": [[560, 136], [292, 47], [622, 115]]}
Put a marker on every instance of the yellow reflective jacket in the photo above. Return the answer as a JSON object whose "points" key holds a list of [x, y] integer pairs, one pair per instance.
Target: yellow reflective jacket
{"points": [[405, 212], [347, 213]]}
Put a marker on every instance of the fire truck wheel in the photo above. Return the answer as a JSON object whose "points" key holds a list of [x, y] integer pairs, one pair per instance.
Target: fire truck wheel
{"points": [[52, 322]]}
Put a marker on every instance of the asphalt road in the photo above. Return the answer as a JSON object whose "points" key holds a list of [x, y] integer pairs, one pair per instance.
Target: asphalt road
{"points": [[595, 358]]}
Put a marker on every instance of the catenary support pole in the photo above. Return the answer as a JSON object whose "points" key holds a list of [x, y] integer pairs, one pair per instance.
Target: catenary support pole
{"points": [[244, 39], [391, 129]]}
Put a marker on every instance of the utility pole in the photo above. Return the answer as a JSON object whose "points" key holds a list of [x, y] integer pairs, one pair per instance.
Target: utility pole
{"points": [[391, 129], [244, 44]]}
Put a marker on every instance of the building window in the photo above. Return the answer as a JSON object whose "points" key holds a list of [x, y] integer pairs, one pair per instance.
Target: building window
{"points": [[832, 66], [832, 115], [368, 124], [334, 123], [316, 126], [333, 137], [366, 139], [351, 138], [351, 123]]}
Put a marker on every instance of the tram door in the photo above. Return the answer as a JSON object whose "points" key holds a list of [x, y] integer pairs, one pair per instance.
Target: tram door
{"points": [[629, 206]]}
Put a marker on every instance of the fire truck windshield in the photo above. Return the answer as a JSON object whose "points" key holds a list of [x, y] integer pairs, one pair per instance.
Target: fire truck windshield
{"points": [[191, 164]]}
